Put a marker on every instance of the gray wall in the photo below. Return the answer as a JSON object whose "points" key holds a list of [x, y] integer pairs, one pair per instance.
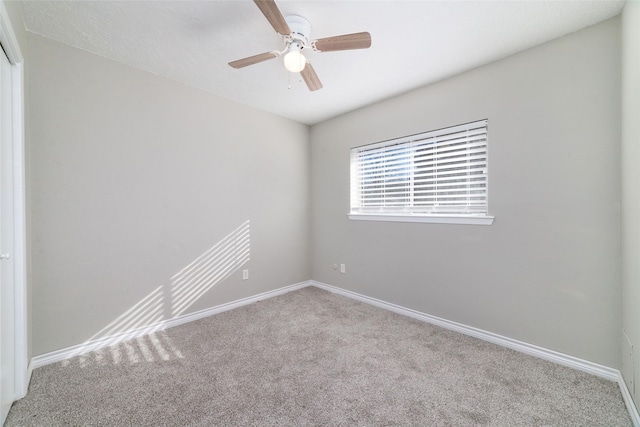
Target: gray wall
{"points": [[631, 195], [134, 177], [547, 271]]}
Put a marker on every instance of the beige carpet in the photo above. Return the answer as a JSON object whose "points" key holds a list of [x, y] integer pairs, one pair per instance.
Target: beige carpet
{"points": [[314, 358]]}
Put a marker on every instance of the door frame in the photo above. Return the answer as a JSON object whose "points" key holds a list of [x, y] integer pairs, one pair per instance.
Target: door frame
{"points": [[12, 49]]}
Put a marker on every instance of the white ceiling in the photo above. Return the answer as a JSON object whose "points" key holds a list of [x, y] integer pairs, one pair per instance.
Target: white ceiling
{"points": [[414, 43]]}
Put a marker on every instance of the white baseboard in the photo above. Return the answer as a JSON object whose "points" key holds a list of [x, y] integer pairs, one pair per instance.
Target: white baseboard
{"points": [[523, 347], [628, 401], [86, 347]]}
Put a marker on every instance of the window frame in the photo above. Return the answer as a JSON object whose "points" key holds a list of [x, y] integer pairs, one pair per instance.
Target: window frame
{"points": [[406, 211]]}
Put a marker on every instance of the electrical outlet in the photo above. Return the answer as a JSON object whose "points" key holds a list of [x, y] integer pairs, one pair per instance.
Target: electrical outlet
{"points": [[343, 269], [245, 274]]}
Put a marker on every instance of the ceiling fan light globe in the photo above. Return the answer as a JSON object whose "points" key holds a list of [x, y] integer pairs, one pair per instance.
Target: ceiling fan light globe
{"points": [[294, 61]]}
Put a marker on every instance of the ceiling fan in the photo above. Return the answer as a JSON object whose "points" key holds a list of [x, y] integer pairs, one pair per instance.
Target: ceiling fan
{"points": [[295, 31]]}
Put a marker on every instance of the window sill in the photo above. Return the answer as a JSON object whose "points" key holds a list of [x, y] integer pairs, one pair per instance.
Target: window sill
{"points": [[431, 219]]}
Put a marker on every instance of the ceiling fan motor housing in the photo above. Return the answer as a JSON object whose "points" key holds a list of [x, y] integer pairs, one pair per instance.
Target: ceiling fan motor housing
{"points": [[300, 30]]}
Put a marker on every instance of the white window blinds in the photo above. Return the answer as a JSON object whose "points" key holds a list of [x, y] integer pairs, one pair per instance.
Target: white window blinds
{"points": [[442, 172]]}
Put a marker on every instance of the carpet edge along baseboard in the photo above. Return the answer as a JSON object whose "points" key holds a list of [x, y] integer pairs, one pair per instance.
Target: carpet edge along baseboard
{"points": [[520, 346]]}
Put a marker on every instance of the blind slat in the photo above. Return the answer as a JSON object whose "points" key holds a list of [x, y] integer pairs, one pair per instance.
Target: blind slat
{"points": [[473, 167]]}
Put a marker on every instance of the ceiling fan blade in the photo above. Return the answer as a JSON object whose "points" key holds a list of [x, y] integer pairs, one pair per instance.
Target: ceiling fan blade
{"points": [[240, 63], [270, 11], [311, 78], [344, 42]]}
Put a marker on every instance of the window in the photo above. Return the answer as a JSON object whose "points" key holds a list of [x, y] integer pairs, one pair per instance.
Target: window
{"points": [[437, 176]]}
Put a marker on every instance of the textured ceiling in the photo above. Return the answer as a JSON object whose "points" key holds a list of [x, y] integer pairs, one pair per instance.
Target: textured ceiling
{"points": [[414, 43]]}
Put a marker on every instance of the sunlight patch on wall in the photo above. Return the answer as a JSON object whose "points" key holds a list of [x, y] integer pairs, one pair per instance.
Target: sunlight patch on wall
{"points": [[147, 311], [209, 269], [135, 337]]}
